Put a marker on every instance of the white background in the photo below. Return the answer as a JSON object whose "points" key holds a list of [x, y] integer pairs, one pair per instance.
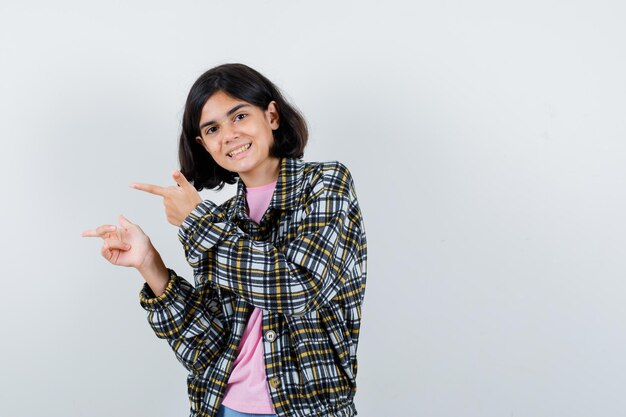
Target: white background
{"points": [[487, 144]]}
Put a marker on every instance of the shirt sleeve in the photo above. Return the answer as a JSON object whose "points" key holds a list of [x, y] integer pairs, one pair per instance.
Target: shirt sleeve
{"points": [[299, 277], [188, 318]]}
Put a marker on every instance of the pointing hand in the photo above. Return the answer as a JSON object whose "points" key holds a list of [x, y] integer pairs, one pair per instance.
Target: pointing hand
{"points": [[128, 245], [125, 245], [179, 200]]}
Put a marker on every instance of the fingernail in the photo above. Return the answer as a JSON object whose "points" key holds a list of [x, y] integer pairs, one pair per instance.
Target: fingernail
{"points": [[111, 228]]}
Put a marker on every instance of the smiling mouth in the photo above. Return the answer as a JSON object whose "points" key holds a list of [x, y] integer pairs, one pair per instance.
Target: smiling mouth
{"points": [[239, 150]]}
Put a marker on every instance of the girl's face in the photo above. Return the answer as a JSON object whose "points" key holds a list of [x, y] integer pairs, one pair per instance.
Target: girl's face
{"points": [[238, 135]]}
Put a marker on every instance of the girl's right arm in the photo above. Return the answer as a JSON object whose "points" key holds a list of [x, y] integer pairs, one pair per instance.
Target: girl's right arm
{"points": [[188, 318]]}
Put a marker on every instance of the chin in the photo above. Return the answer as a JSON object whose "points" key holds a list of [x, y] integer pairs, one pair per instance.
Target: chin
{"points": [[244, 166]]}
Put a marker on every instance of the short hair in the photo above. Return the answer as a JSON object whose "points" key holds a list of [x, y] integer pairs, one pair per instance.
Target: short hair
{"points": [[243, 83]]}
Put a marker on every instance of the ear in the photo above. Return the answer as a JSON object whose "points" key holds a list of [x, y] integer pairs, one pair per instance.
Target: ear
{"points": [[201, 142], [273, 117]]}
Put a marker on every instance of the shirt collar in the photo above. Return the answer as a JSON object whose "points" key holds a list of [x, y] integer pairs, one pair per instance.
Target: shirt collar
{"points": [[288, 187]]}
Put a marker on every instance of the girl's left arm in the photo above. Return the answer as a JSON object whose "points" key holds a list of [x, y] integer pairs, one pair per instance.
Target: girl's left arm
{"points": [[327, 254]]}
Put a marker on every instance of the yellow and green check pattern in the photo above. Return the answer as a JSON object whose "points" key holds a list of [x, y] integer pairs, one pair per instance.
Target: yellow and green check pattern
{"points": [[304, 265]]}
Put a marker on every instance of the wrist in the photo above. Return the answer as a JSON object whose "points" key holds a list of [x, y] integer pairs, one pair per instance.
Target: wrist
{"points": [[154, 272]]}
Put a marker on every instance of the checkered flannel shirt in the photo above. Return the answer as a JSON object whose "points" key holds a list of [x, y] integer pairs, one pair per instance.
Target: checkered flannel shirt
{"points": [[304, 265]]}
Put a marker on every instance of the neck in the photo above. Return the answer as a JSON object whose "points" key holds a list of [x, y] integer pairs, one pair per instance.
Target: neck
{"points": [[264, 174]]}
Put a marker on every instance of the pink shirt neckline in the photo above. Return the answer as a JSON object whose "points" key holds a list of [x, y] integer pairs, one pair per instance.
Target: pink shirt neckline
{"points": [[262, 187]]}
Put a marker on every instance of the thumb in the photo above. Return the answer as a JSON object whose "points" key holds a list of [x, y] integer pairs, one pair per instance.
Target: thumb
{"points": [[124, 221], [181, 180]]}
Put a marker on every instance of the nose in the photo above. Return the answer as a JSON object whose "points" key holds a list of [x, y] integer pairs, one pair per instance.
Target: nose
{"points": [[229, 132]]}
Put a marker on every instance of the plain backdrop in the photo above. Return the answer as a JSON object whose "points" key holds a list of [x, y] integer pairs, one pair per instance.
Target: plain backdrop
{"points": [[487, 144]]}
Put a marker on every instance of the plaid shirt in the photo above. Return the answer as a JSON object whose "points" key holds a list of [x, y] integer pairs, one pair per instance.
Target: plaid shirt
{"points": [[304, 265]]}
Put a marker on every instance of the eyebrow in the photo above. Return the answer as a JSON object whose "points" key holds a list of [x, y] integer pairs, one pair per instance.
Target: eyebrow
{"points": [[230, 112]]}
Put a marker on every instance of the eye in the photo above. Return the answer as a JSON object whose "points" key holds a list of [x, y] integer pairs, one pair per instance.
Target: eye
{"points": [[210, 130], [240, 116]]}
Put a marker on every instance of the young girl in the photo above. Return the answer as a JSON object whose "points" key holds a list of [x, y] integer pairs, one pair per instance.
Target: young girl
{"points": [[272, 324]]}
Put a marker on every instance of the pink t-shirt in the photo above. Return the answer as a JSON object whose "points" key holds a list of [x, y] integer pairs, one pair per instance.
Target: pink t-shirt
{"points": [[247, 390]]}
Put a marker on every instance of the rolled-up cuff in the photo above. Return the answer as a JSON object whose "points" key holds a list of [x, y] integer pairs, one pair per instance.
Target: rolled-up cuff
{"points": [[150, 302], [190, 224], [201, 210]]}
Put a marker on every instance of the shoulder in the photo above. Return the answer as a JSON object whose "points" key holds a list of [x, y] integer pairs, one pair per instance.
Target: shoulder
{"points": [[333, 176]]}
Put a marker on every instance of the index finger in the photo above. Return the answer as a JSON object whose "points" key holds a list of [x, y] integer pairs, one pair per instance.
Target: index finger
{"points": [[100, 231], [149, 188]]}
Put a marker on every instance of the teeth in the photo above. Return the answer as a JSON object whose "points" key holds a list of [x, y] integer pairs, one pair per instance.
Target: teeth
{"points": [[239, 150]]}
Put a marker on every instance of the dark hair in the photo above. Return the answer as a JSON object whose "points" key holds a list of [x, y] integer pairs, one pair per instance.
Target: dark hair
{"points": [[243, 83]]}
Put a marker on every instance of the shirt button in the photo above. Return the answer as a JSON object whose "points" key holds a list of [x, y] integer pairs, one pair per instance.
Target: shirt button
{"points": [[275, 382], [270, 335]]}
